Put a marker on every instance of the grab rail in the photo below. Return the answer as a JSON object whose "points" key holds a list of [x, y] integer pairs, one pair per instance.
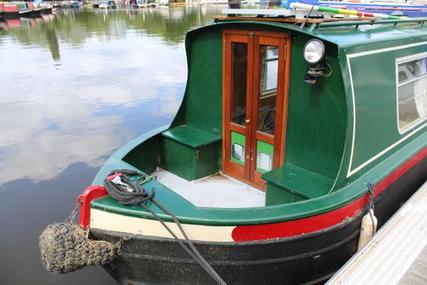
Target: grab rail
{"points": [[367, 22]]}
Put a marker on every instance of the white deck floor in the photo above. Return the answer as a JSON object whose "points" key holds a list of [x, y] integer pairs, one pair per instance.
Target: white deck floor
{"points": [[398, 252], [217, 191]]}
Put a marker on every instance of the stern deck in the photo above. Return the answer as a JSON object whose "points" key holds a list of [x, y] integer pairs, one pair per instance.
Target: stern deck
{"points": [[215, 191]]}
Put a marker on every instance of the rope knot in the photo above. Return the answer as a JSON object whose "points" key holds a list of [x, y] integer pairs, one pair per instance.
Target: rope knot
{"points": [[124, 185]]}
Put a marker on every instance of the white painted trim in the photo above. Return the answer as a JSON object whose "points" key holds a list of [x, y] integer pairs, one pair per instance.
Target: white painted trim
{"points": [[386, 150], [411, 57], [354, 117], [369, 52], [351, 171], [107, 221]]}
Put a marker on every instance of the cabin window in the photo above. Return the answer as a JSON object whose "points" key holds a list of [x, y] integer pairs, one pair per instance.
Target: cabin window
{"points": [[238, 98], [412, 91]]}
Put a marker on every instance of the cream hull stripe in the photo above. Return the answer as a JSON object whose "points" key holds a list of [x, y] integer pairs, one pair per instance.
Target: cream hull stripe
{"points": [[113, 222]]}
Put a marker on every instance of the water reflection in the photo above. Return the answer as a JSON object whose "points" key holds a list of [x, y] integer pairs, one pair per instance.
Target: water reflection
{"points": [[57, 115], [75, 27], [107, 63], [73, 88]]}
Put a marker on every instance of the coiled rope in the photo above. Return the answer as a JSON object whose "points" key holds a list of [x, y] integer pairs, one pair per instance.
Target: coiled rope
{"points": [[122, 186]]}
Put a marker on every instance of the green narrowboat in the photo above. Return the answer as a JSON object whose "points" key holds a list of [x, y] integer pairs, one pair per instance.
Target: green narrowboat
{"points": [[289, 131]]}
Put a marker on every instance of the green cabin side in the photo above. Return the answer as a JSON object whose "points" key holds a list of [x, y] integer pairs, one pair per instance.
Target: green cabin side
{"points": [[331, 149]]}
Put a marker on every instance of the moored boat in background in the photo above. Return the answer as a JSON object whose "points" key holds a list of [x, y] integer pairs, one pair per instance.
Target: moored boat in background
{"points": [[9, 10], [23, 9], [108, 5], [397, 8]]}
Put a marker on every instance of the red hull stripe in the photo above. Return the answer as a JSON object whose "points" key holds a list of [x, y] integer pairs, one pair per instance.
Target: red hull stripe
{"points": [[384, 184], [297, 227], [321, 221]]}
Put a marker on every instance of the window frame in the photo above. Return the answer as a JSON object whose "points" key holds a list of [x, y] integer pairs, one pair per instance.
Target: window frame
{"points": [[399, 61]]}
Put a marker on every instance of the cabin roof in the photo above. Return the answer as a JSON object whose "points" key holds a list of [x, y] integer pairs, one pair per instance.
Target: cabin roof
{"points": [[343, 33]]}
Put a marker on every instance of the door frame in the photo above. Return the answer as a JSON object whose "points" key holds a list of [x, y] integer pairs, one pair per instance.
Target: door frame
{"points": [[248, 172]]}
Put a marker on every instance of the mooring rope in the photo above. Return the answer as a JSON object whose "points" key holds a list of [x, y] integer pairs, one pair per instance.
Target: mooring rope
{"points": [[371, 205], [73, 214], [131, 193]]}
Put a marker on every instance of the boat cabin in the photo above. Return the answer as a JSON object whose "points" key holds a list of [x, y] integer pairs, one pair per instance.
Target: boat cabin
{"points": [[290, 129], [279, 111], [256, 111]]}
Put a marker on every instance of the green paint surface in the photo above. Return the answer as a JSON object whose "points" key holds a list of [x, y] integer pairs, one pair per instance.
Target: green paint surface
{"points": [[263, 147], [191, 136], [239, 139], [375, 99], [319, 134], [291, 179], [277, 195], [317, 115], [202, 105], [188, 162], [145, 156]]}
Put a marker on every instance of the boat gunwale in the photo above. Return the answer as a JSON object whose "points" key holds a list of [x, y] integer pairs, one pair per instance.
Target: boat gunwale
{"points": [[268, 214], [338, 197]]}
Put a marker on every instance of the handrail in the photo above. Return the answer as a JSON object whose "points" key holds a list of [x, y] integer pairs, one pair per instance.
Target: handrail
{"points": [[372, 22]]}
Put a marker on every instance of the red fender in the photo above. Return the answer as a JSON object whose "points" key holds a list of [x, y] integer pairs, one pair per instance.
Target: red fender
{"points": [[91, 193]]}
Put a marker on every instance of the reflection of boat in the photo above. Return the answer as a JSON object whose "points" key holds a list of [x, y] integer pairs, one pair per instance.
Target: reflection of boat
{"points": [[146, 3], [108, 5], [67, 4], [12, 23], [9, 23], [274, 155], [46, 8], [9, 10], [22, 9], [74, 4], [407, 8]]}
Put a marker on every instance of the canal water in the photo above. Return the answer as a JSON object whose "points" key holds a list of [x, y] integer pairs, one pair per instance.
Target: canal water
{"points": [[74, 87]]}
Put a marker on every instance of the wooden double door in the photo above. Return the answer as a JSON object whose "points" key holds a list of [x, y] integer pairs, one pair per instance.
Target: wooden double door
{"points": [[255, 85]]}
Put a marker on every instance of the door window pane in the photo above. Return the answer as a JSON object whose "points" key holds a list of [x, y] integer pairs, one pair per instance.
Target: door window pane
{"points": [[239, 53], [269, 69]]}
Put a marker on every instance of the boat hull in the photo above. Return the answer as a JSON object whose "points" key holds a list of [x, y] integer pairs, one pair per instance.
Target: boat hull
{"points": [[10, 15], [309, 258]]}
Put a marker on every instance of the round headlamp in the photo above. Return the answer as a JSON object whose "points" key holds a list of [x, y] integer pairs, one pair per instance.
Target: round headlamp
{"points": [[314, 51]]}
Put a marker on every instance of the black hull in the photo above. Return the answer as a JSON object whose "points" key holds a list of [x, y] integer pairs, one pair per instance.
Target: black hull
{"points": [[285, 261], [35, 14], [305, 259], [10, 15], [46, 11]]}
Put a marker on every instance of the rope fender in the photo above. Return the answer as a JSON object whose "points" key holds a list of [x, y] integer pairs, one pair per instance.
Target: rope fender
{"points": [[65, 247]]}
